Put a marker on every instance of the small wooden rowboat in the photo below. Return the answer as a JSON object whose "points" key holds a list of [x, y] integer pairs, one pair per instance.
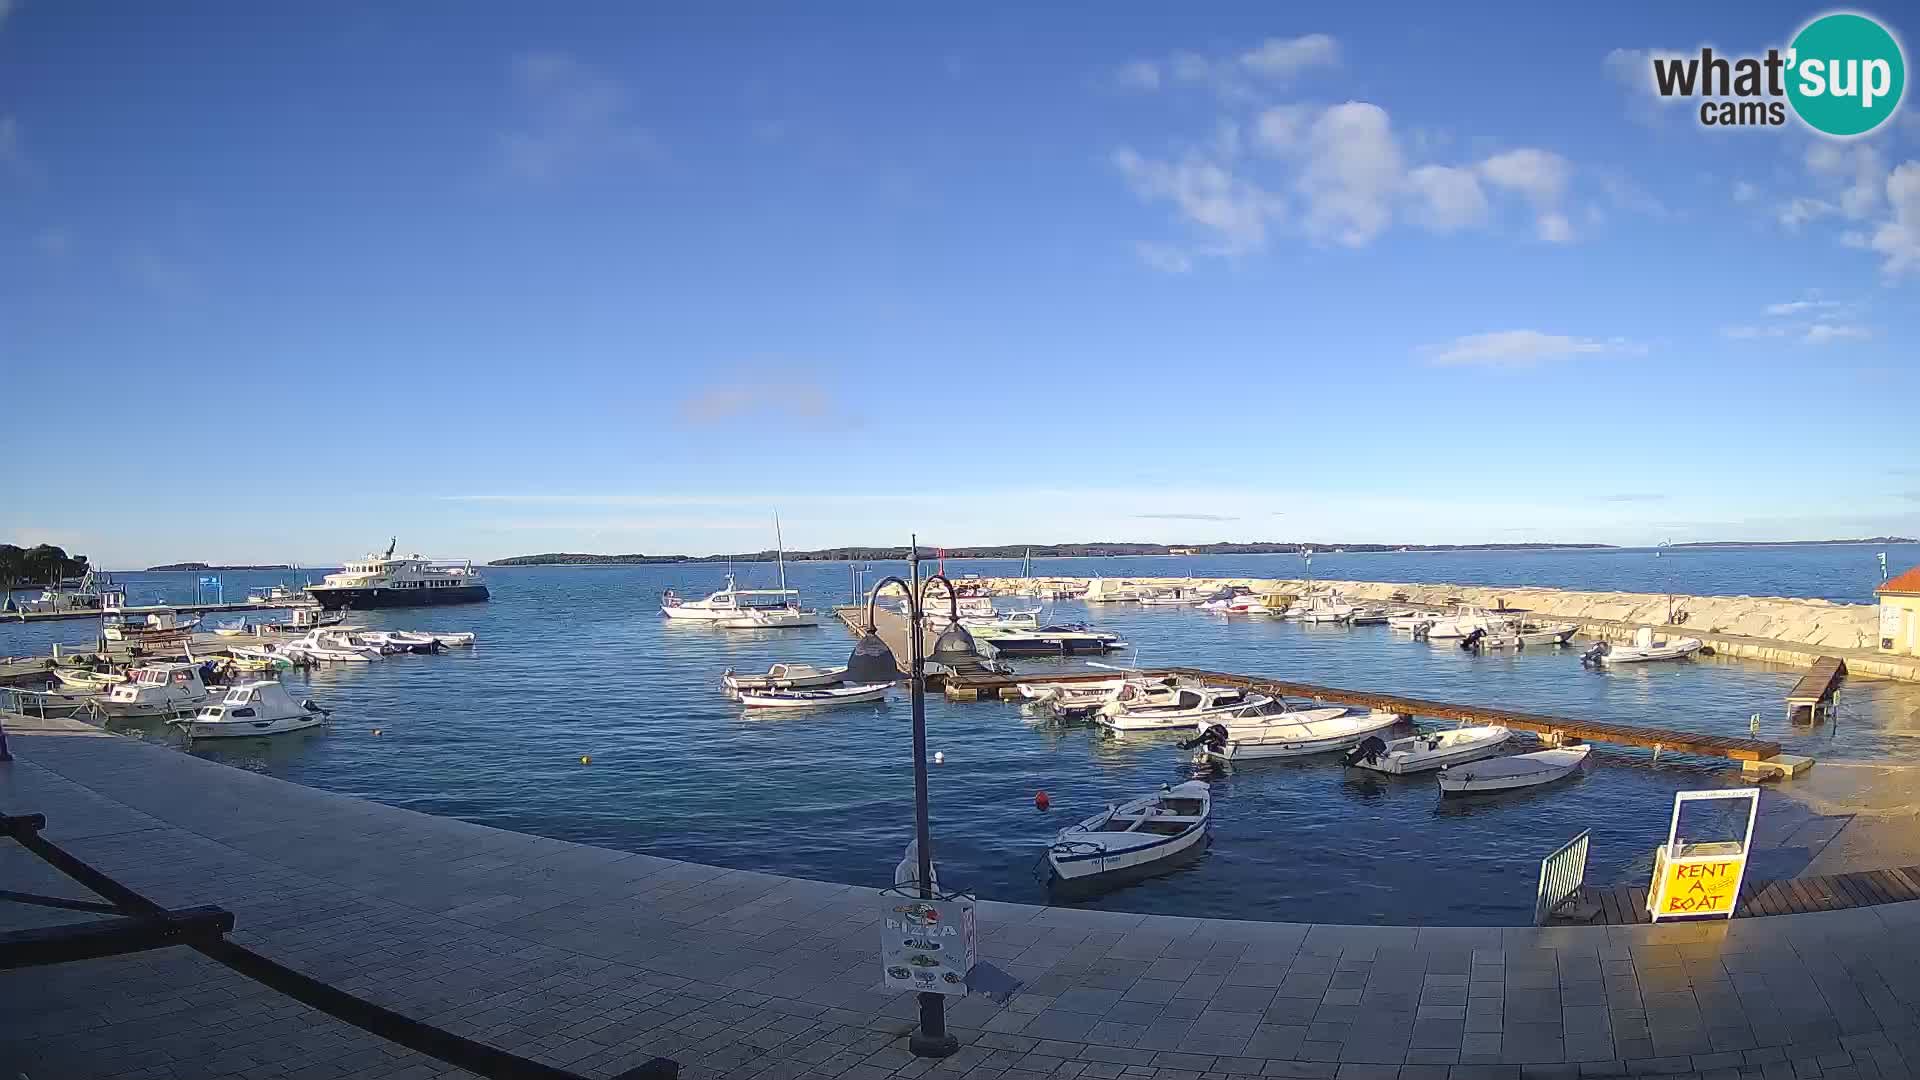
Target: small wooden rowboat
{"points": [[1134, 834], [853, 694]]}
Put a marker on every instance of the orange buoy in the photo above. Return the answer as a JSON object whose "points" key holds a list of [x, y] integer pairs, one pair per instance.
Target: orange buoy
{"points": [[1040, 800]]}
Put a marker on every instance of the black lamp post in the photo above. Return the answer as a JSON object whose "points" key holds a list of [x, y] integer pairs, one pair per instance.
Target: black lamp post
{"points": [[872, 661]]}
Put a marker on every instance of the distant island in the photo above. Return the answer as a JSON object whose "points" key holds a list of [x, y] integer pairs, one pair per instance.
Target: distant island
{"points": [[207, 566], [1797, 543], [1016, 551]]}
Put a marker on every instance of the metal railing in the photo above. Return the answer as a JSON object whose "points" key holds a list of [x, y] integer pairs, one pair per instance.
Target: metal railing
{"points": [[1561, 875], [43, 703]]}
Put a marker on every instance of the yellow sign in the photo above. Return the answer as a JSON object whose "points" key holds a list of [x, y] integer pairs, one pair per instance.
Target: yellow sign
{"points": [[1701, 886]]}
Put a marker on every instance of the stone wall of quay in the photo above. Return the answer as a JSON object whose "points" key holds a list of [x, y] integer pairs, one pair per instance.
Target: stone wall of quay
{"points": [[1786, 630]]}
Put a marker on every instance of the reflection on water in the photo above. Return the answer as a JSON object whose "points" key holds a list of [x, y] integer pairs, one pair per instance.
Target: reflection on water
{"points": [[578, 661]]}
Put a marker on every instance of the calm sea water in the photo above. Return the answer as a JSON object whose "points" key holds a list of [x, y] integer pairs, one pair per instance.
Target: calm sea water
{"points": [[577, 661]]}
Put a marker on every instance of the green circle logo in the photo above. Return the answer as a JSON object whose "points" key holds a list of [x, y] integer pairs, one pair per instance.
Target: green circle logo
{"points": [[1845, 74]]}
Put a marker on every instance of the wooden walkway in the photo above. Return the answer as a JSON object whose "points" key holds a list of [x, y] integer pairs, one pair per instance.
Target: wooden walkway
{"points": [[892, 627], [1814, 692], [1677, 742], [1627, 904]]}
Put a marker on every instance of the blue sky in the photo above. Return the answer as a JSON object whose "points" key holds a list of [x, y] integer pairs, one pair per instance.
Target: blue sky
{"points": [[279, 284]]}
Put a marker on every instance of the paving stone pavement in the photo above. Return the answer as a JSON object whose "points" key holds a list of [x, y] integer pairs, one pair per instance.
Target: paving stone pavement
{"points": [[596, 960]]}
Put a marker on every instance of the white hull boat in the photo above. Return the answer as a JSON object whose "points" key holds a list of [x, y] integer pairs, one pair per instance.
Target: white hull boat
{"points": [[1517, 771], [258, 708], [1326, 736], [340, 645], [856, 694], [769, 619], [1406, 622], [1273, 721], [1134, 834], [452, 639], [156, 690], [401, 641], [1645, 649], [1047, 691], [270, 653], [785, 677], [728, 603], [1429, 750], [1371, 616], [85, 680], [1190, 706]]}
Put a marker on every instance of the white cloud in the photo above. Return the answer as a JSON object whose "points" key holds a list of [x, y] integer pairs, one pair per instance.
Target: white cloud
{"points": [[1523, 348], [1234, 77], [1165, 259], [1540, 175], [1283, 128], [1898, 238], [1827, 333], [1633, 68], [1447, 198], [1744, 192], [1796, 307], [1800, 210], [1139, 75], [1283, 58], [573, 118], [1352, 175], [1554, 228], [1206, 194]]}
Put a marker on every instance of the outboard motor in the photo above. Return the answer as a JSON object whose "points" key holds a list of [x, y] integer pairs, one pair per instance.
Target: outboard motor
{"points": [[1214, 738], [1368, 751], [1422, 631], [1591, 658], [1472, 641]]}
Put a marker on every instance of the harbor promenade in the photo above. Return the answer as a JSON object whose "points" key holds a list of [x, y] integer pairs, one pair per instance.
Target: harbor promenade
{"points": [[596, 960]]}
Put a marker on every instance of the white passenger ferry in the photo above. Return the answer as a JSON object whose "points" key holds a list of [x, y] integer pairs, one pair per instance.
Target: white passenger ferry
{"points": [[383, 581]]}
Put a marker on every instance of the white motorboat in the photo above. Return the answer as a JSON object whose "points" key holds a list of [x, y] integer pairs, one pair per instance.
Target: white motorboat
{"points": [[1000, 620], [1133, 835], [271, 653], [306, 619], [255, 708], [1239, 600], [452, 639], [1105, 591], [1269, 720], [785, 677], [851, 694], [167, 689], [1190, 705], [1406, 622], [970, 606], [1047, 691], [231, 628], [1645, 648], [158, 628], [780, 618], [1367, 616], [1086, 700], [1300, 739], [1517, 771], [1167, 598], [400, 641], [338, 644], [1048, 640], [1466, 621], [1428, 750], [1324, 608]]}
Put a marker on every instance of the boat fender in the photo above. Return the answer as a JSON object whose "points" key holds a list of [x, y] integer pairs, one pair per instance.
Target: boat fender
{"points": [[1369, 750]]}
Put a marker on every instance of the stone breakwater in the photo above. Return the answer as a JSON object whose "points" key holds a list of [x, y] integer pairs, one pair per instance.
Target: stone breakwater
{"points": [[1784, 630]]}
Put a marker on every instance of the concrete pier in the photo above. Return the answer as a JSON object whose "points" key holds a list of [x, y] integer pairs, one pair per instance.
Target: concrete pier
{"points": [[594, 960]]}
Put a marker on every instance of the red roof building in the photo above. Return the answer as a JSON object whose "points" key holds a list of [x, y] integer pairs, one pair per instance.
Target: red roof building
{"points": [[1900, 614]]}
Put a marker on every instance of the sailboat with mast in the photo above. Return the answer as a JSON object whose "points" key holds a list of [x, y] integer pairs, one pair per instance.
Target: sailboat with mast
{"points": [[787, 614]]}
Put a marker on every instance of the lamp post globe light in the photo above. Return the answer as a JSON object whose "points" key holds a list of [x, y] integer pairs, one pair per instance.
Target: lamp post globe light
{"points": [[872, 661]]}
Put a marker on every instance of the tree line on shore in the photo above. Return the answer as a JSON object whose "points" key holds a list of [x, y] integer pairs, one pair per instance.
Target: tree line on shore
{"points": [[1007, 551], [42, 565]]}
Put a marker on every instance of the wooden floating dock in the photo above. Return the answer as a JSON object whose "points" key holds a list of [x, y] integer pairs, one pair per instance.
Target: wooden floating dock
{"points": [[1813, 694], [1661, 739], [892, 628], [144, 610], [1621, 905]]}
